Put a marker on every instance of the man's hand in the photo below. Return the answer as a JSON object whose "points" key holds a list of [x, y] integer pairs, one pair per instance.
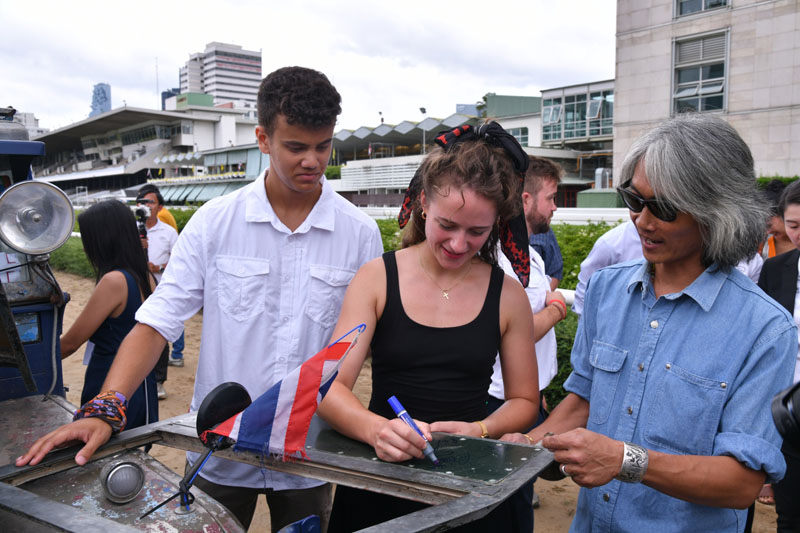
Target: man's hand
{"points": [[153, 267], [589, 458], [93, 431], [555, 295], [515, 438], [144, 242]]}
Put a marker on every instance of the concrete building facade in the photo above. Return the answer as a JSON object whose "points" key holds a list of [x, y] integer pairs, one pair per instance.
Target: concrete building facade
{"points": [[226, 71], [739, 59]]}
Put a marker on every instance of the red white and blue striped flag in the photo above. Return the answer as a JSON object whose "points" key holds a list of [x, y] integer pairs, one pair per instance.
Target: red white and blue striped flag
{"points": [[277, 421]]}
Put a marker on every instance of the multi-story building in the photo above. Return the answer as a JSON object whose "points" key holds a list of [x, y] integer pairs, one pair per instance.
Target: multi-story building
{"points": [[31, 124], [101, 99], [739, 59], [127, 146], [226, 71]]}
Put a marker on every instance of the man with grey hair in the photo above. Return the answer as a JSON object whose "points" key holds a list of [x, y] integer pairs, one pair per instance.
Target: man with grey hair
{"points": [[667, 424]]}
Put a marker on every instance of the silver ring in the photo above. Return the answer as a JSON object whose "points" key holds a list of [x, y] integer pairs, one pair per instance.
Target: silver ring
{"points": [[563, 470]]}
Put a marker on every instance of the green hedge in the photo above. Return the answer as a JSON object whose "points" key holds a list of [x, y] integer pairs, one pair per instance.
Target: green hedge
{"points": [[333, 172], [71, 258], [763, 180], [182, 216], [575, 243]]}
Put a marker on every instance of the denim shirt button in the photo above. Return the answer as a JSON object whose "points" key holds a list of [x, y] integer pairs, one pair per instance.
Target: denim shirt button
{"points": [[641, 367], [723, 385], [630, 410], [654, 324], [606, 497], [669, 366]]}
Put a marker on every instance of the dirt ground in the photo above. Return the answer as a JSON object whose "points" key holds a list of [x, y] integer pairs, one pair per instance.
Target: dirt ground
{"points": [[558, 499]]}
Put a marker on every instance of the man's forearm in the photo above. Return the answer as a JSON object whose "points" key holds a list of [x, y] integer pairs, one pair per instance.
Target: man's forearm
{"points": [[544, 321], [718, 481], [136, 357]]}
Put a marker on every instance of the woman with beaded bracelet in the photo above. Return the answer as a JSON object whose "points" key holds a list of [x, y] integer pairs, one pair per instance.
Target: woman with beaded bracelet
{"points": [[111, 243], [437, 311]]}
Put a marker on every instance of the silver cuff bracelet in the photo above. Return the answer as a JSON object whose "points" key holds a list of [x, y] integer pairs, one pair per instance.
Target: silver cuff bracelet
{"points": [[634, 463]]}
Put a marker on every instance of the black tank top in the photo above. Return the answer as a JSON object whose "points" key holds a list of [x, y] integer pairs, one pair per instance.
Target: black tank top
{"points": [[436, 373]]}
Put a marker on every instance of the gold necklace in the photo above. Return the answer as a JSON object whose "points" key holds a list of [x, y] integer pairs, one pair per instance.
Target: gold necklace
{"points": [[445, 292]]}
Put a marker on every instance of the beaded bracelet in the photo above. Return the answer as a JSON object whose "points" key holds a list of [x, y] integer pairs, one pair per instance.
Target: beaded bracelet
{"points": [[109, 406]]}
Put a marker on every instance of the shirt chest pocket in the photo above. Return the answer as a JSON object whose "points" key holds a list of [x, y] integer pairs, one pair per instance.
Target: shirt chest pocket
{"points": [[242, 286], [326, 292], [685, 412], [607, 361]]}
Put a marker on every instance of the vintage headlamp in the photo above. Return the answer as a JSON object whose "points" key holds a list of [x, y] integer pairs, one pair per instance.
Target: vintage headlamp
{"points": [[35, 217]]}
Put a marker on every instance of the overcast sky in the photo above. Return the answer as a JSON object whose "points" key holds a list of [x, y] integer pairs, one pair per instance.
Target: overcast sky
{"points": [[393, 57]]}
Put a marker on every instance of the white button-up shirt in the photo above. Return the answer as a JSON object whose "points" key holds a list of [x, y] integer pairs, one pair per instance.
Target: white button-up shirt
{"points": [[270, 297], [161, 239], [546, 356]]}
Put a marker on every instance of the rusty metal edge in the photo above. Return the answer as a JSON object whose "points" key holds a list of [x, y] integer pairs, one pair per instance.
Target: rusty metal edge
{"points": [[59, 517]]}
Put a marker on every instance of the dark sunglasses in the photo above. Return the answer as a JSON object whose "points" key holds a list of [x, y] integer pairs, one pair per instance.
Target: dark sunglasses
{"points": [[659, 209]]}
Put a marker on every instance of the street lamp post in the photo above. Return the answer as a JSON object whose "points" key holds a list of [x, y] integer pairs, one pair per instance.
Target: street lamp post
{"points": [[422, 110]]}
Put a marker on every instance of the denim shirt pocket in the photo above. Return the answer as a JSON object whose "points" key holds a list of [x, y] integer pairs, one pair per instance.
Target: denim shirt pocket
{"points": [[326, 289], [685, 412], [607, 361], [241, 286]]}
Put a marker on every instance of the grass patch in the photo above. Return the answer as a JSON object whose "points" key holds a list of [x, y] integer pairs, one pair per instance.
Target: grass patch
{"points": [[71, 258]]}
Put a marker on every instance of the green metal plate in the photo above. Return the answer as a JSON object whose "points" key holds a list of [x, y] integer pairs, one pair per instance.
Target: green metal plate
{"points": [[485, 460]]}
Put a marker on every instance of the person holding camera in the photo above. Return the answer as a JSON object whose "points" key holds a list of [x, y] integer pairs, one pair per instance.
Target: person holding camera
{"points": [[158, 240]]}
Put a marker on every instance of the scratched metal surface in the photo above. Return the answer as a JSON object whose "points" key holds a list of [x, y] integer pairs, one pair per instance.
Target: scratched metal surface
{"points": [[81, 488], [26, 419]]}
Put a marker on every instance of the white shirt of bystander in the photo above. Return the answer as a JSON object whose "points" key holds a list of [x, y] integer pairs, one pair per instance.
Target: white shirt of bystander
{"points": [[161, 239], [546, 357]]}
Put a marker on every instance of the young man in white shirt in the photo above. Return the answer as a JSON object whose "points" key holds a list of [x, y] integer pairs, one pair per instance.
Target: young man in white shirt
{"points": [[269, 265], [160, 240]]}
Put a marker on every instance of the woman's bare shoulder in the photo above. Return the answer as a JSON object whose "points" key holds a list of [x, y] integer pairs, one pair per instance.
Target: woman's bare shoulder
{"points": [[113, 280]]}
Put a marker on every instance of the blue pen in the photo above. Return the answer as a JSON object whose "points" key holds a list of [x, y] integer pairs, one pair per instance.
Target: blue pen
{"points": [[403, 415]]}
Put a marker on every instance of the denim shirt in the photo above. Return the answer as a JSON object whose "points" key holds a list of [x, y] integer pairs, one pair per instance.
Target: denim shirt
{"points": [[690, 373]]}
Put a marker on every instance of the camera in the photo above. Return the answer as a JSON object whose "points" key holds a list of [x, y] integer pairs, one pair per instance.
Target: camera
{"points": [[786, 414], [142, 213]]}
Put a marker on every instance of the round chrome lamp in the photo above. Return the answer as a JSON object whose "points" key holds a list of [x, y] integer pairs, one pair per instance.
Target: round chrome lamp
{"points": [[122, 481], [35, 217]]}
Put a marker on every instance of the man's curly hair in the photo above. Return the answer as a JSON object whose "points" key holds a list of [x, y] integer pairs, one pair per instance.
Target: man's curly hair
{"points": [[302, 95]]}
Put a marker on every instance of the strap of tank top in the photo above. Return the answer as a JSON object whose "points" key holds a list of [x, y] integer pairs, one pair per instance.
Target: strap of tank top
{"points": [[392, 280]]}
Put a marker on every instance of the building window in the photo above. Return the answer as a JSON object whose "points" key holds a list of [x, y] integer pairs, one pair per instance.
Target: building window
{"points": [[600, 115], [687, 7], [699, 80], [574, 116], [551, 119], [520, 134]]}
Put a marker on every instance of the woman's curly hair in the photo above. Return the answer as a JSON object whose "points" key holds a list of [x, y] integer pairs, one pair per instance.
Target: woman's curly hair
{"points": [[485, 169]]}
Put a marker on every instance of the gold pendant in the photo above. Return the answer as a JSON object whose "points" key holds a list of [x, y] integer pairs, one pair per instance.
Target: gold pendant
{"points": [[445, 295]]}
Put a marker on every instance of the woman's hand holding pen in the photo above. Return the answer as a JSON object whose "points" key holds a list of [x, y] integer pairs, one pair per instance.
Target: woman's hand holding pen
{"points": [[395, 441]]}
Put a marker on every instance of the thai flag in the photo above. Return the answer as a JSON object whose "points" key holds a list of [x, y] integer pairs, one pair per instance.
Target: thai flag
{"points": [[277, 421]]}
